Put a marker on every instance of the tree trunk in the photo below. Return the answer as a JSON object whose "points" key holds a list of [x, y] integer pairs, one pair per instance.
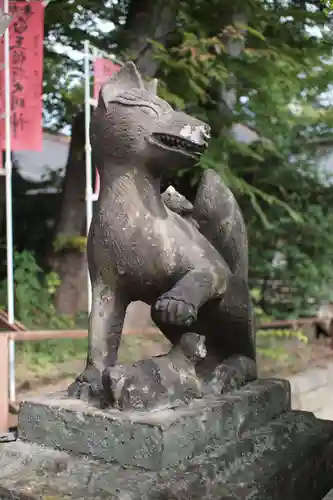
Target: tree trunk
{"points": [[72, 215], [71, 297], [147, 20], [68, 256]]}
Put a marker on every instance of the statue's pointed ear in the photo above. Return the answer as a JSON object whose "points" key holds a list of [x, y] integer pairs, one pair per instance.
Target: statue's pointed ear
{"points": [[126, 78], [151, 86]]}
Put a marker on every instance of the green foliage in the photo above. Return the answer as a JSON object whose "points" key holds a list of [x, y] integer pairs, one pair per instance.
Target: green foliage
{"points": [[64, 242], [278, 79], [39, 356], [329, 6], [272, 343], [34, 292]]}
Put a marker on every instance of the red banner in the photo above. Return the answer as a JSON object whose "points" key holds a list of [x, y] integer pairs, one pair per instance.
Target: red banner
{"points": [[103, 69], [26, 34]]}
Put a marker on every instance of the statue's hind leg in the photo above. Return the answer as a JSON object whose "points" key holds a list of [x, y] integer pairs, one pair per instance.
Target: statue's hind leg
{"points": [[228, 327], [231, 338]]}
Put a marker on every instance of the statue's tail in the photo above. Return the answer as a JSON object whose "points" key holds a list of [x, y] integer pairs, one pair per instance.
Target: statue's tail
{"points": [[221, 222]]}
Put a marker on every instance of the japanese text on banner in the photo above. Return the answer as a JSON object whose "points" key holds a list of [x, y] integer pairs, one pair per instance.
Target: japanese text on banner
{"points": [[103, 69], [26, 33]]}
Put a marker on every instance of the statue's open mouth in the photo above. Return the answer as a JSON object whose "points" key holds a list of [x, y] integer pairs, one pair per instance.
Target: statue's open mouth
{"points": [[173, 142]]}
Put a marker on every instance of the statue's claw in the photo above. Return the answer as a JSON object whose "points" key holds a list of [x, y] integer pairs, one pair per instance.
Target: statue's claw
{"points": [[175, 311], [87, 386]]}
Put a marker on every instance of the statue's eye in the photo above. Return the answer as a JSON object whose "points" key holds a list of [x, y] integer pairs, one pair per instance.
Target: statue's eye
{"points": [[149, 111]]}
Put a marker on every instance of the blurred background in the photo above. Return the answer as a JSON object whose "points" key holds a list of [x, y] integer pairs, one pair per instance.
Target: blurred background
{"points": [[260, 72]]}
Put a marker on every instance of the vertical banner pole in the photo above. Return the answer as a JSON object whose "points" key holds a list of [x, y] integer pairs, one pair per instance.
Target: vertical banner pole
{"points": [[89, 201], [96, 187], [9, 211]]}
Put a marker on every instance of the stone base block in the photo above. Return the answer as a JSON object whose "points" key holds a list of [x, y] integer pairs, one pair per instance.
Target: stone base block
{"points": [[155, 439], [291, 458], [247, 445]]}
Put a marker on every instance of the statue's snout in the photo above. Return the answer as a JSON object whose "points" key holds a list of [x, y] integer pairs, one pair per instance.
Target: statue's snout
{"points": [[198, 134], [185, 127]]}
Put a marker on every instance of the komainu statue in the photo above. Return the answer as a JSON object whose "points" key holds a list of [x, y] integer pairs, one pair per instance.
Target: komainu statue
{"points": [[189, 263]]}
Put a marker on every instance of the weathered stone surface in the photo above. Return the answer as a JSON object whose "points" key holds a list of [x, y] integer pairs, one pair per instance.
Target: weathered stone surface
{"points": [[290, 458], [152, 440], [312, 390], [312, 379], [250, 446], [329, 496], [192, 270], [167, 380]]}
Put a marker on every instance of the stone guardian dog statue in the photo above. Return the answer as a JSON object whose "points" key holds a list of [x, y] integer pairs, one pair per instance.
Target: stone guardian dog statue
{"points": [[194, 276]]}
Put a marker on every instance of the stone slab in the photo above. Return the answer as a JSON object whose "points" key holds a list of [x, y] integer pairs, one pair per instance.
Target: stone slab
{"points": [[301, 470], [290, 458], [326, 413], [313, 400], [311, 379], [151, 440], [329, 496]]}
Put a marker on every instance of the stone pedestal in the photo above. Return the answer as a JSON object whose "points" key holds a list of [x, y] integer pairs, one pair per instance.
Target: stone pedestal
{"points": [[245, 445]]}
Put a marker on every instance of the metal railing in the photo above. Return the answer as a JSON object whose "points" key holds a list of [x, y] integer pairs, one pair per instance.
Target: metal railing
{"points": [[26, 336]]}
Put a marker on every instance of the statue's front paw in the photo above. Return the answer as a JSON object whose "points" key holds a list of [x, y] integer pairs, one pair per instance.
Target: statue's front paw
{"points": [[87, 385], [175, 311]]}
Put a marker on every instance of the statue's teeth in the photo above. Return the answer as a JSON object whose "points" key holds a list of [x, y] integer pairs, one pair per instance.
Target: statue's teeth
{"points": [[174, 141]]}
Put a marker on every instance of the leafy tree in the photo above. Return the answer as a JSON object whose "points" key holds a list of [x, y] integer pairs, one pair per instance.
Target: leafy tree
{"points": [[263, 64]]}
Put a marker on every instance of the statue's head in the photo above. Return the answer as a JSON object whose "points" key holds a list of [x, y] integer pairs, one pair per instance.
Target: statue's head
{"points": [[131, 123]]}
